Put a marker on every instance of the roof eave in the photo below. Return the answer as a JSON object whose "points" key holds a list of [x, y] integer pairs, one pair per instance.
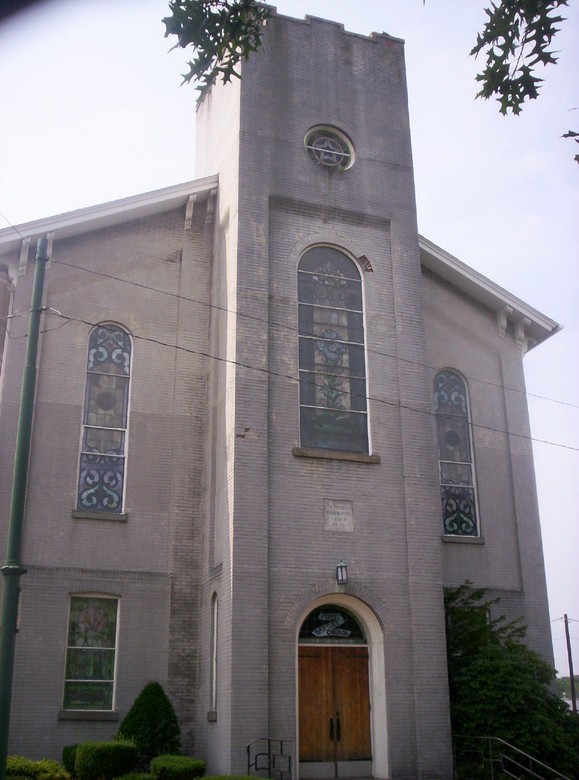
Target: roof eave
{"points": [[106, 214], [536, 326]]}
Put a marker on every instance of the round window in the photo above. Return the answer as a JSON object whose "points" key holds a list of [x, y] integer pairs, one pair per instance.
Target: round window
{"points": [[329, 147]]}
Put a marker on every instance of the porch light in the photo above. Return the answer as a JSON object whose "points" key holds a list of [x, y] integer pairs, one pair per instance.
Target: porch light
{"points": [[342, 573]]}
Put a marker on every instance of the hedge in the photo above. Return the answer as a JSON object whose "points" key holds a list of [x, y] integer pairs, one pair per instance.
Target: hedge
{"points": [[104, 760], [45, 769], [69, 757], [234, 777], [170, 767], [137, 776]]}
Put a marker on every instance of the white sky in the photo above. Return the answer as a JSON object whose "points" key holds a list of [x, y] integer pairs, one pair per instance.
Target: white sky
{"points": [[92, 110]]}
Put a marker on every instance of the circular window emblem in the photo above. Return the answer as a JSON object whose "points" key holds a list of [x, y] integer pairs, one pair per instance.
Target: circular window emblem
{"points": [[329, 147]]}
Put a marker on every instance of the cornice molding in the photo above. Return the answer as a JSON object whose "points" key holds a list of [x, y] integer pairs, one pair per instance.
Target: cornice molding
{"points": [[104, 215], [530, 326]]}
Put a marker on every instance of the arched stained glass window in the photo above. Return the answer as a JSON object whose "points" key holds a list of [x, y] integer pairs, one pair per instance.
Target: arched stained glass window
{"points": [[456, 472], [333, 405], [104, 436], [331, 624]]}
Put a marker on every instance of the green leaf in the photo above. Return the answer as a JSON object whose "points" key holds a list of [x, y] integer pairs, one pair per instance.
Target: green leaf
{"points": [[516, 40], [221, 33]]}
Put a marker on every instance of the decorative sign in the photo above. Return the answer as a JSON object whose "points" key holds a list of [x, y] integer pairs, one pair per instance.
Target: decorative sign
{"points": [[331, 624], [338, 516]]}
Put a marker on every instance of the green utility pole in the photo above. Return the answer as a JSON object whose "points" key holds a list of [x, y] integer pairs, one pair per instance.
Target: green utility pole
{"points": [[13, 569]]}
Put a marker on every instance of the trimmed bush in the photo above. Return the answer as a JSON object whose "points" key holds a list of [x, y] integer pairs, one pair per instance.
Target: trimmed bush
{"points": [[152, 724], [177, 767], [45, 769], [68, 757], [233, 777], [104, 760], [137, 776]]}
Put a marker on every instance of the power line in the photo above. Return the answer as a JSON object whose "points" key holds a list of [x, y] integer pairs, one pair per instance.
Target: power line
{"points": [[291, 329], [284, 326], [296, 380], [26, 239]]}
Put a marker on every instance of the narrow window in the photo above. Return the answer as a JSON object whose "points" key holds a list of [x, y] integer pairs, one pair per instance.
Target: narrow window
{"points": [[214, 649], [90, 654], [104, 436], [5, 288], [456, 472], [333, 406]]}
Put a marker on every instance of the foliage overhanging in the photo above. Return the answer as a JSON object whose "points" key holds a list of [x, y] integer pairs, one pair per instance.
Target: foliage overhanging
{"points": [[516, 40], [221, 33]]}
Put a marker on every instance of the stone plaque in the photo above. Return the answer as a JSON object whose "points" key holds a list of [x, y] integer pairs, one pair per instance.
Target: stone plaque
{"points": [[338, 515]]}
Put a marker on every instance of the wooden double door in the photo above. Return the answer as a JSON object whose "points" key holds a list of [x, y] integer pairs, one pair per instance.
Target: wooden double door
{"points": [[334, 708]]}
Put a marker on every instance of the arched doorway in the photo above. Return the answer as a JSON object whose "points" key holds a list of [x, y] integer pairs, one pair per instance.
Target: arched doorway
{"points": [[334, 714]]}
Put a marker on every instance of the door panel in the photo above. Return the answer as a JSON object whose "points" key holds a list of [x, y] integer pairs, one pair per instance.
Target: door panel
{"points": [[315, 703], [352, 703], [334, 707]]}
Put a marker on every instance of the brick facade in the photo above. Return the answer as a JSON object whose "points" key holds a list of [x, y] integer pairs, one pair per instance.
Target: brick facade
{"points": [[221, 503]]}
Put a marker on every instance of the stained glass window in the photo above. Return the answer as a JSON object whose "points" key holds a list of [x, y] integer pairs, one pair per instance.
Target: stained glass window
{"points": [[90, 655], [456, 472], [331, 624], [333, 405], [103, 447], [329, 147]]}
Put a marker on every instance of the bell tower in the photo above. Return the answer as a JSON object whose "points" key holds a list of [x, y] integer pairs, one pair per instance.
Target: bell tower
{"points": [[315, 453]]}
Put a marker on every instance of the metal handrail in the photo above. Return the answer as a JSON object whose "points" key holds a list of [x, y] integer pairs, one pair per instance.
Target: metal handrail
{"points": [[278, 755], [535, 769]]}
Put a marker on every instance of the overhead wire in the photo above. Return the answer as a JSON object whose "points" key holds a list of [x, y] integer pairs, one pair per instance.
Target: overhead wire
{"points": [[272, 323], [296, 380], [178, 296]]}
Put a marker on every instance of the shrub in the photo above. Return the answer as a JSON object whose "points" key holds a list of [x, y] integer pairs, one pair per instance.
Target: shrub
{"points": [[500, 687], [177, 767], [233, 777], [104, 760], [151, 723], [136, 776], [68, 757], [45, 769]]}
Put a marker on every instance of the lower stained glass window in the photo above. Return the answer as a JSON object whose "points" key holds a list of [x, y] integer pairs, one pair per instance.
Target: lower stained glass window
{"points": [[333, 404], [90, 655], [456, 472]]}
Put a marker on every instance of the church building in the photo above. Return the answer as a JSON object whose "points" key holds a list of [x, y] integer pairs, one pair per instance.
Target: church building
{"points": [[272, 423]]}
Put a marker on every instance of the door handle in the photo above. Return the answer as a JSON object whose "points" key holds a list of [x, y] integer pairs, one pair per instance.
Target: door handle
{"points": [[338, 728], [331, 729]]}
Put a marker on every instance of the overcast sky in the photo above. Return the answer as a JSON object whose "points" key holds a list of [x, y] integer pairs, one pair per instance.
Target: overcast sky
{"points": [[92, 111]]}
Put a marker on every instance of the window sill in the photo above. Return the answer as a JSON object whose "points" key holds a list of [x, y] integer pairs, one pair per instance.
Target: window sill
{"points": [[355, 457], [89, 514], [88, 715], [463, 539]]}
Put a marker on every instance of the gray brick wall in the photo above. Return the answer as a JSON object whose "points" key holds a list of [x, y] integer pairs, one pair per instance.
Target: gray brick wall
{"points": [[217, 501]]}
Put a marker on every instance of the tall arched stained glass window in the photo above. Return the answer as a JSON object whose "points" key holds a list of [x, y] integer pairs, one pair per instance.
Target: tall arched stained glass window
{"points": [[104, 436], [456, 472], [333, 406]]}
